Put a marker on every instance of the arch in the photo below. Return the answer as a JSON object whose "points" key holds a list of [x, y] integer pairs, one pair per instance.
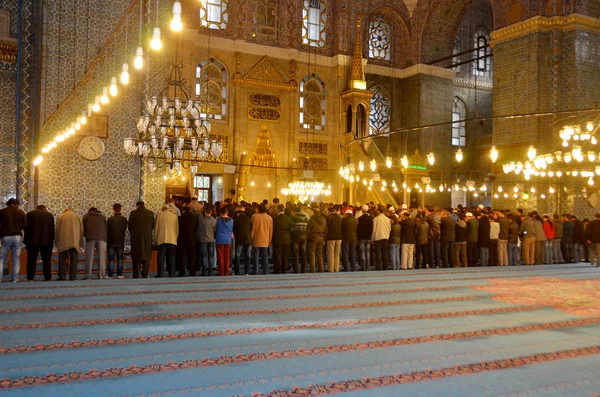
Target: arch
{"points": [[459, 125], [482, 64], [399, 40], [211, 88], [379, 117], [380, 36], [312, 102], [349, 119], [361, 122]]}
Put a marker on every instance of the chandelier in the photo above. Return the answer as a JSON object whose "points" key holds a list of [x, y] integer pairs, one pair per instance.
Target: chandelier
{"points": [[174, 130], [307, 189]]}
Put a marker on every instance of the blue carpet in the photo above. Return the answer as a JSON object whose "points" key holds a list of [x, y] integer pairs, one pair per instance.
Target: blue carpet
{"points": [[421, 333]]}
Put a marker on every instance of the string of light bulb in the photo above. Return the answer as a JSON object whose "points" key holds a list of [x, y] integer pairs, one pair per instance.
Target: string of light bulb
{"points": [[112, 89]]}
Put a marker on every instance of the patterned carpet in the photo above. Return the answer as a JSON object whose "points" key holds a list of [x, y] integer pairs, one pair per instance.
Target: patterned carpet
{"points": [[516, 331]]}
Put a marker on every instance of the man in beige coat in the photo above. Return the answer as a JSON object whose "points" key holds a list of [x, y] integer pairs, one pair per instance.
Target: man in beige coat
{"points": [[166, 230], [69, 239], [262, 234]]}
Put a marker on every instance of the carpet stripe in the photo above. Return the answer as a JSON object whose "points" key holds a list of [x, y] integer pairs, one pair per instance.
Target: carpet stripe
{"points": [[219, 300], [422, 376], [269, 278], [230, 313], [245, 331], [74, 376]]}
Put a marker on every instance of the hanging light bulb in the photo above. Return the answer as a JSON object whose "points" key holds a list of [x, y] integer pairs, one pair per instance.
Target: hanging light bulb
{"points": [[104, 97], [589, 126], [404, 161], [155, 43], [113, 87], [252, 183], [500, 189], [431, 158], [591, 181], [96, 105], [37, 161], [125, 74], [494, 154], [373, 165], [138, 62], [176, 24], [531, 152], [459, 155], [361, 166], [83, 120], [388, 162], [591, 156], [551, 190], [269, 184]]}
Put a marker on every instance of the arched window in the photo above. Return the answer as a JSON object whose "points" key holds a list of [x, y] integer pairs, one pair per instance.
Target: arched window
{"points": [[459, 125], [214, 14], [379, 119], [482, 60], [379, 39], [312, 103], [265, 17], [314, 19], [211, 89]]}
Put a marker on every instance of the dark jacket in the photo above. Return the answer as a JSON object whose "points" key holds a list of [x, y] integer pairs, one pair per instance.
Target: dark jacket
{"points": [[316, 229], [513, 233], [141, 225], [334, 227], [94, 226], [12, 221], [282, 229], [40, 228], [188, 225], [434, 227], [567, 231], [447, 229], [461, 232], [364, 231], [349, 226], [504, 224], [242, 229], [422, 232], [117, 226], [396, 234], [483, 235], [473, 225], [593, 231], [409, 226], [578, 233]]}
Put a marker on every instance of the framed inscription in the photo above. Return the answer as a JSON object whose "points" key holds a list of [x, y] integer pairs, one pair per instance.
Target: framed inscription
{"points": [[97, 125]]}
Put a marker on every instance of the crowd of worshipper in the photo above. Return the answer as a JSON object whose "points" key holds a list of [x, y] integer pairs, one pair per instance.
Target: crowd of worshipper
{"points": [[200, 239]]}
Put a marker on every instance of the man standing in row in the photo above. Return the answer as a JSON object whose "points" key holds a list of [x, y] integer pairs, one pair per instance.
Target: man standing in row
{"points": [[39, 238], [69, 240], [166, 231], [117, 226], [262, 234], [95, 232], [282, 238], [186, 242], [12, 222], [141, 224]]}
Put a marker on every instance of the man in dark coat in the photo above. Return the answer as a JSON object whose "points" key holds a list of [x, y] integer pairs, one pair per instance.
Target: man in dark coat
{"points": [[39, 238], [447, 238], [186, 242], [242, 232], [117, 226], [483, 239], [282, 238], [141, 225], [593, 240], [364, 231], [578, 237]]}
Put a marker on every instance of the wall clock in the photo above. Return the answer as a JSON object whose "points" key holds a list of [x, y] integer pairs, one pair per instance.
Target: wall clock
{"points": [[91, 148]]}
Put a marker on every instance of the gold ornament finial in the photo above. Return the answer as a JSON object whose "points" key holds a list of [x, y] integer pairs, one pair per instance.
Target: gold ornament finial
{"points": [[357, 75]]}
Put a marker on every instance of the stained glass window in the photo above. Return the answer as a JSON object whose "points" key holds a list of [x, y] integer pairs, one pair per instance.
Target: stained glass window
{"points": [[202, 187], [312, 103], [211, 89], [314, 19], [379, 39], [482, 61], [459, 125], [379, 119], [265, 17], [456, 58], [214, 14]]}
